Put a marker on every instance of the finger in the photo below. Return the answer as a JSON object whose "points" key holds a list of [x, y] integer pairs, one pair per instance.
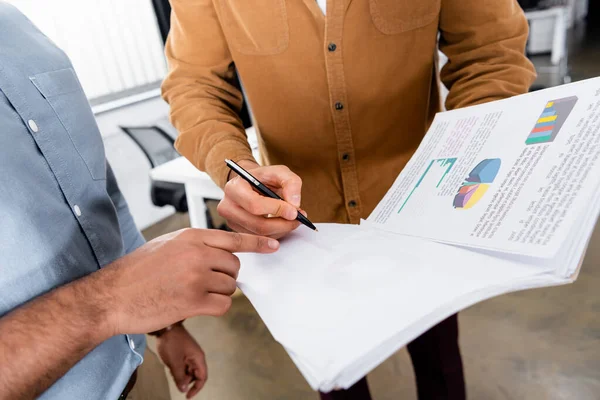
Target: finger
{"points": [[195, 389], [239, 242], [202, 370], [276, 236], [222, 261], [241, 193], [220, 283], [235, 227], [258, 225], [281, 177], [214, 305], [199, 373], [183, 387], [179, 376], [238, 228]]}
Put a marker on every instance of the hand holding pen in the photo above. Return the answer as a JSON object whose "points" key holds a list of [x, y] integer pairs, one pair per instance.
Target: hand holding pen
{"points": [[245, 206]]}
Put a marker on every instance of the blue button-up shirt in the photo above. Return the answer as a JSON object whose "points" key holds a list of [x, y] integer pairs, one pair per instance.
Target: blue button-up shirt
{"points": [[62, 215]]}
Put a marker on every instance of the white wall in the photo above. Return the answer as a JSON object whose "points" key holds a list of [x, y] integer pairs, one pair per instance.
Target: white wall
{"points": [[114, 45], [130, 165]]}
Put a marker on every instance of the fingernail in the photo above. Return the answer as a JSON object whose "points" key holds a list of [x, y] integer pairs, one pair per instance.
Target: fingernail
{"points": [[291, 214], [182, 388], [296, 200], [273, 244]]}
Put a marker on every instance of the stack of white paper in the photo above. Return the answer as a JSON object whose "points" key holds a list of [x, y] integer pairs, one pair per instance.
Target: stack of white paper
{"points": [[498, 198]]}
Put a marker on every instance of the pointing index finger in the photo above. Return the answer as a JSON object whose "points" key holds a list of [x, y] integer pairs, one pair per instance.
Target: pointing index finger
{"points": [[234, 242]]}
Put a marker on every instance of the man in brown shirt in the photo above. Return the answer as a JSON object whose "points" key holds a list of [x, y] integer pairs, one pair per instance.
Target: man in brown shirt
{"points": [[342, 94]]}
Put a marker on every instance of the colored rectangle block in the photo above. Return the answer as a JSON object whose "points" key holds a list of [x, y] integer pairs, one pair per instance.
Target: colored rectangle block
{"points": [[550, 104], [548, 113], [540, 139], [549, 123], [547, 119], [540, 134], [543, 129]]}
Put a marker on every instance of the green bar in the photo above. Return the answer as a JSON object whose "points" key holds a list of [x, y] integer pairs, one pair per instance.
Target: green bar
{"points": [[540, 139]]}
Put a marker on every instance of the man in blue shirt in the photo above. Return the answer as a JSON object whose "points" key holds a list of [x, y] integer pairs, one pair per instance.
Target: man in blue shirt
{"points": [[78, 286]]}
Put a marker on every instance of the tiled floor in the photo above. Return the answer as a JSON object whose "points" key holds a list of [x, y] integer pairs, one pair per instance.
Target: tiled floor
{"points": [[537, 344]]}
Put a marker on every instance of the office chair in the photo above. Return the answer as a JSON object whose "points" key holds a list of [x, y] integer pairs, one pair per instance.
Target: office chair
{"points": [[157, 146]]}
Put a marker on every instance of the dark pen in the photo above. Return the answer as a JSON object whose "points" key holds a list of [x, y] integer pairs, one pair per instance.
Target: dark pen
{"points": [[264, 190]]}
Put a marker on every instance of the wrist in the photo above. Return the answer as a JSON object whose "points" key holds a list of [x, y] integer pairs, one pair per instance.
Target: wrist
{"points": [[246, 164], [163, 332]]}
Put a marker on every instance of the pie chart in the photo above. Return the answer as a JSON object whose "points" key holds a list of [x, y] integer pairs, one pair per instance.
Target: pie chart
{"points": [[477, 183]]}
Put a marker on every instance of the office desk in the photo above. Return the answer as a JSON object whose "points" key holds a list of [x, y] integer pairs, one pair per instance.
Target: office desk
{"points": [[560, 17], [198, 185]]}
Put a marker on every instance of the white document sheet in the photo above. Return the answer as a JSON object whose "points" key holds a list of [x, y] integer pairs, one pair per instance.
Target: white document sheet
{"points": [[498, 198], [508, 175], [332, 297]]}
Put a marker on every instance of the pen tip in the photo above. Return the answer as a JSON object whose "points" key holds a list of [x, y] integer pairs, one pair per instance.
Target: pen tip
{"points": [[316, 230]]}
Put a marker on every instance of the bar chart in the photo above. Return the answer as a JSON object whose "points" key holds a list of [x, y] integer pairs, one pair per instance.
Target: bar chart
{"points": [[551, 120]]}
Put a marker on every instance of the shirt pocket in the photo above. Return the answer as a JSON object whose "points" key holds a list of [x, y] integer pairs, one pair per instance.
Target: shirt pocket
{"points": [[257, 27], [63, 92], [392, 17]]}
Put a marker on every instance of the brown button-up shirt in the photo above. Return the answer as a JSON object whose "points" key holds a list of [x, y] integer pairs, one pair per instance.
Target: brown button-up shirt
{"points": [[343, 99]]}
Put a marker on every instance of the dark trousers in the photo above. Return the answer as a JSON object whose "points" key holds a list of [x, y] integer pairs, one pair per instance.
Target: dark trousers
{"points": [[437, 363]]}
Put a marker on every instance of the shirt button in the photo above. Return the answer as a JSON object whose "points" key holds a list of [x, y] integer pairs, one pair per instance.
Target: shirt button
{"points": [[33, 125], [345, 156], [352, 203], [77, 210], [131, 344], [339, 106], [331, 47]]}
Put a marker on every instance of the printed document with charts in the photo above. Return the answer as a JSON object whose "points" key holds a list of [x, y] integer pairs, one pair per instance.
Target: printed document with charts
{"points": [[499, 197]]}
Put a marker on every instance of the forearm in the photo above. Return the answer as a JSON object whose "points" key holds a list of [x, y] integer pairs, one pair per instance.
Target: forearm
{"points": [[485, 45], [41, 340]]}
